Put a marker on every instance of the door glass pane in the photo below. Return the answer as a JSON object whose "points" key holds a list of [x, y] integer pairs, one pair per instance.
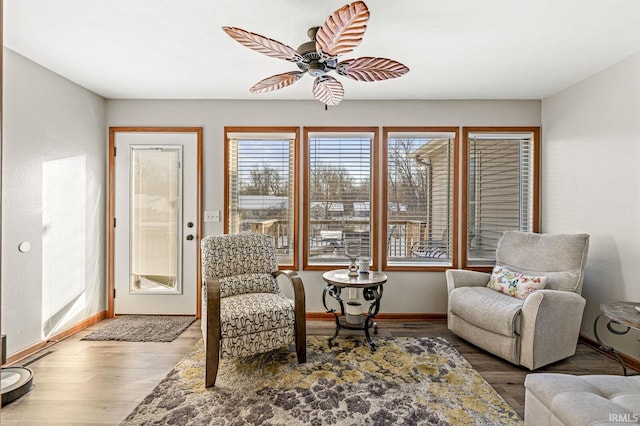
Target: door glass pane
{"points": [[155, 212]]}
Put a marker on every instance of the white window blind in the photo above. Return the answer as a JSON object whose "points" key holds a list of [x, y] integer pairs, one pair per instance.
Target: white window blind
{"points": [[340, 197], [419, 199], [260, 188], [500, 190]]}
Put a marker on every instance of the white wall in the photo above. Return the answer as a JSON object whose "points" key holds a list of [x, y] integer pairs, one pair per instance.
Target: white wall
{"points": [[407, 292], [590, 180], [53, 198], [591, 183]]}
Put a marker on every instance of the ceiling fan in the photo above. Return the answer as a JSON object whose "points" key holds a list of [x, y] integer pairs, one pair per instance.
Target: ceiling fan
{"points": [[341, 33]]}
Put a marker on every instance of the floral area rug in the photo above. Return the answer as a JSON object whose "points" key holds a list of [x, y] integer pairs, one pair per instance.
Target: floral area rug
{"points": [[407, 381]]}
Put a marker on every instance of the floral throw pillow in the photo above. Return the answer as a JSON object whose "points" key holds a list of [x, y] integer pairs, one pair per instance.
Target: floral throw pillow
{"points": [[514, 283]]}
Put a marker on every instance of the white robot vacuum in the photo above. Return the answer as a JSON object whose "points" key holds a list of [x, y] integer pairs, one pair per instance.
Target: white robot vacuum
{"points": [[16, 381]]}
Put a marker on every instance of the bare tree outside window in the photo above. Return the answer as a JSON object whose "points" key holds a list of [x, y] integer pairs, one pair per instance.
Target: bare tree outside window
{"points": [[419, 198], [408, 179], [261, 186], [266, 181], [339, 199]]}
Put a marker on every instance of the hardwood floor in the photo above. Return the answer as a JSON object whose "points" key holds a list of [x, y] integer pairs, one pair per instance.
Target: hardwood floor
{"points": [[86, 382], [94, 382]]}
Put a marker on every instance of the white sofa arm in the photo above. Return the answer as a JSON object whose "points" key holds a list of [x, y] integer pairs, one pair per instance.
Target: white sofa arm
{"points": [[464, 278], [550, 327]]}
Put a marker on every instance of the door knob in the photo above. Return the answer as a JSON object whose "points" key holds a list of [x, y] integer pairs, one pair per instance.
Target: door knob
{"points": [[189, 224], [189, 237]]}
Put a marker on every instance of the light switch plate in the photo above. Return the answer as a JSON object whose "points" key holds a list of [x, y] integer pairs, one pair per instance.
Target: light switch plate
{"points": [[212, 216]]}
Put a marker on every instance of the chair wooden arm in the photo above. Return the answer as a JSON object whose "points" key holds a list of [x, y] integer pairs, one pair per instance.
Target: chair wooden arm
{"points": [[300, 312], [212, 336]]}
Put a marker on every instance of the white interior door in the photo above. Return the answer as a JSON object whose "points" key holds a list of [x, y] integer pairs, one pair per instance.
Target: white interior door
{"points": [[155, 238]]}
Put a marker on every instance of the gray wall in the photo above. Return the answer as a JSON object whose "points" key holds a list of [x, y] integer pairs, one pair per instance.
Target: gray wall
{"points": [[54, 199], [591, 183], [51, 126], [406, 292]]}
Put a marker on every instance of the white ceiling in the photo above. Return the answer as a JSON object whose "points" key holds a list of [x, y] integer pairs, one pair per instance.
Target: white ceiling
{"points": [[455, 49]]}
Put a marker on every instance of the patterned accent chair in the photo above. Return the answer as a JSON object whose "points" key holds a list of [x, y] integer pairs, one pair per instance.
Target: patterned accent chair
{"points": [[244, 311], [541, 328]]}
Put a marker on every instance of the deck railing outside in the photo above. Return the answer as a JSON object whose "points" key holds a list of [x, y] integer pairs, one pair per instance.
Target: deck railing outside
{"points": [[327, 237]]}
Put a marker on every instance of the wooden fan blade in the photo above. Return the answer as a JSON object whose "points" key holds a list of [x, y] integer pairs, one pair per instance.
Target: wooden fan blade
{"points": [[343, 30], [371, 69], [276, 82], [263, 44], [328, 90]]}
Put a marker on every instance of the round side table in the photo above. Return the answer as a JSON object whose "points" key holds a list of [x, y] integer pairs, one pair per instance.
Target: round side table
{"points": [[371, 284], [626, 316]]}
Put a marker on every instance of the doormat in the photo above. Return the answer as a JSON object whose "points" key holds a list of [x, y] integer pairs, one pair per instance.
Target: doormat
{"points": [[407, 381], [143, 328]]}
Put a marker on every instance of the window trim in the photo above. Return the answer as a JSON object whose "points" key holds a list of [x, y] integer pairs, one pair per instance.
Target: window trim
{"points": [[373, 225], [384, 199], [295, 185], [535, 131]]}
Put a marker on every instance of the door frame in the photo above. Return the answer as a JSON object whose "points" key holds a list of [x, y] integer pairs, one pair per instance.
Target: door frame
{"points": [[111, 207]]}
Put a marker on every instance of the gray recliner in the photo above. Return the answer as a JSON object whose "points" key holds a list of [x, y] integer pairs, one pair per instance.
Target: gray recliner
{"points": [[542, 328]]}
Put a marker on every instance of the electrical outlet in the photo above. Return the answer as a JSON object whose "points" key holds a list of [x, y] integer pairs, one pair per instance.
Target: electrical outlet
{"points": [[212, 216]]}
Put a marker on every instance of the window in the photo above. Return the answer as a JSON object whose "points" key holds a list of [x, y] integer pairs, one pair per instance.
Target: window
{"points": [[500, 188], [339, 200], [261, 186], [419, 195]]}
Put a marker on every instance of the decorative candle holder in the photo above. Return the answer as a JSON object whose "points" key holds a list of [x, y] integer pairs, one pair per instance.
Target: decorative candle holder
{"points": [[363, 266], [352, 251]]}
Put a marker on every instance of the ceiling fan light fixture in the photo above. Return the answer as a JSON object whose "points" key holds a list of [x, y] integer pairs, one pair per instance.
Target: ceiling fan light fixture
{"points": [[317, 69], [341, 32], [308, 48]]}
